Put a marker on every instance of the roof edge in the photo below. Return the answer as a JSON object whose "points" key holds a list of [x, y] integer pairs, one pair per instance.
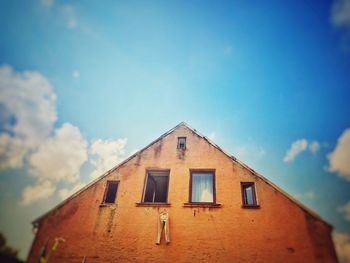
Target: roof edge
{"points": [[38, 219], [291, 198], [231, 157]]}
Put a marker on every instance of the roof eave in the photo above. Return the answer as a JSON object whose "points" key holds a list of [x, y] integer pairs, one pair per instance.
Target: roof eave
{"points": [[231, 157]]}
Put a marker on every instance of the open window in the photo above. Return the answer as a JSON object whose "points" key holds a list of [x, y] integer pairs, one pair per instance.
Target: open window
{"points": [[181, 143], [156, 187], [248, 194], [111, 192], [202, 187]]}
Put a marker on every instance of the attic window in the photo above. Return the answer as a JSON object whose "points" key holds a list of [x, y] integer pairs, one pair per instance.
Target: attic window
{"points": [[181, 143], [156, 187], [248, 194], [111, 192]]}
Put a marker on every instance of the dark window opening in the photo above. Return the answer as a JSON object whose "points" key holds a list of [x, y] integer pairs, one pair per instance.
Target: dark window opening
{"points": [[181, 142], [202, 187], [156, 190], [111, 192], [248, 194]]}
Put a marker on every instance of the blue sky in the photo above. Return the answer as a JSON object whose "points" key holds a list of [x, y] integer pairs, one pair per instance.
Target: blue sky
{"points": [[269, 82]]}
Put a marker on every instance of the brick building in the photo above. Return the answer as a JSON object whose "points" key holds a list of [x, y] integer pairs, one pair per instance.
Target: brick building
{"points": [[213, 207]]}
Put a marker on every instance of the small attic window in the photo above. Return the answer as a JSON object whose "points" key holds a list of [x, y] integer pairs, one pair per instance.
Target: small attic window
{"points": [[181, 143], [249, 194], [111, 192]]}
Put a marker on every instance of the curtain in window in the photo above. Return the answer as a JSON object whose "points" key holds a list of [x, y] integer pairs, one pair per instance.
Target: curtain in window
{"points": [[249, 195], [202, 187]]}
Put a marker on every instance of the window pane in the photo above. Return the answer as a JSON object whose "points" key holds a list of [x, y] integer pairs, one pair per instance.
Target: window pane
{"points": [[156, 188], [249, 197], [202, 187], [181, 142], [111, 192], [150, 190], [161, 190]]}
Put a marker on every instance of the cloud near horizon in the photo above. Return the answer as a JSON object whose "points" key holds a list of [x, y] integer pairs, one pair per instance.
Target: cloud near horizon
{"points": [[33, 193], [105, 154], [345, 209], [60, 156], [296, 148], [299, 146], [66, 192], [28, 136], [27, 116], [314, 146], [339, 159]]}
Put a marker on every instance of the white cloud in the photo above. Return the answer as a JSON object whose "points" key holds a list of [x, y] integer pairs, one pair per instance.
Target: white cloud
{"points": [[66, 192], [342, 246], [61, 156], [296, 148], [27, 117], [41, 190], [339, 159], [314, 146], [106, 154], [28, 112], [58, 158], [346, 210], [300, 146], [12, 151], [341, 13]]}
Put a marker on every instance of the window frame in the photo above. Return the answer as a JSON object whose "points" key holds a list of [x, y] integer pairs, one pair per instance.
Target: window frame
{"points": [[178, 143], [243, 192], [106, 190], [166, 172], [209, 171]]}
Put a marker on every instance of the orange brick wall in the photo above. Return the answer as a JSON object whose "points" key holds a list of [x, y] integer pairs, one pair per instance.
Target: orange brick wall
{"points": [[278, 230]]}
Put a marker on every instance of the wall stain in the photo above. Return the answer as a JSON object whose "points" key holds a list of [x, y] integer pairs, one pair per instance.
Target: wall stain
{"points": [[98, 219], [181, 154], [158, 149], [290, 250], [138, 159], [110, 219]]}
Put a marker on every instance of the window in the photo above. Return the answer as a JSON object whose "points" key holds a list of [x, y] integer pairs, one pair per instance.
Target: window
{"points": [[111, 192], [181, 143], [248, 194], [156, 190], [202, 187]]}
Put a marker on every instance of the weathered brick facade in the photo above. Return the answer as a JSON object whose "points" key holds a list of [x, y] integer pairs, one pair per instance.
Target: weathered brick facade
{"points": [[279, 230]]}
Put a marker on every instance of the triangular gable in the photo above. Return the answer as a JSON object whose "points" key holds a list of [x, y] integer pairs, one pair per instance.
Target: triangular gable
{"points": [[231, 157]]}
